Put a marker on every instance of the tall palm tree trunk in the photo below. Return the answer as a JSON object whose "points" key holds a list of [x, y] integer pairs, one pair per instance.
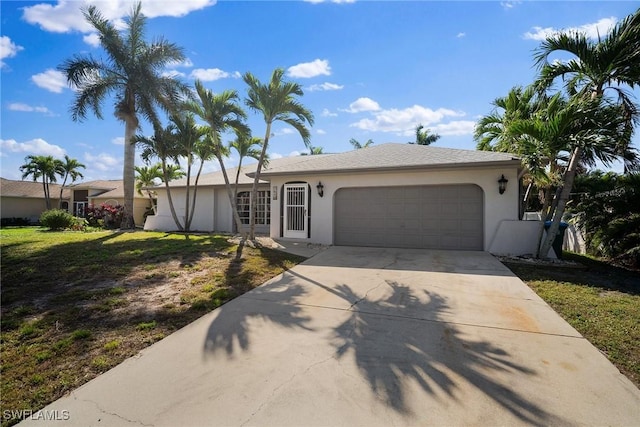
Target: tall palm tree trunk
{"points": [[172, 209], [45, 188], [569, 177], [128, 172], [232, 198], [256, 180]]}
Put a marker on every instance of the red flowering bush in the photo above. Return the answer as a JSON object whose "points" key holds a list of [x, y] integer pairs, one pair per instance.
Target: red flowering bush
{"points": [[106, 216]]}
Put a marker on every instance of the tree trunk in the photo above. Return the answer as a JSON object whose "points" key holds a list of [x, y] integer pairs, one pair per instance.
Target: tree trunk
{"points": [[128, 172], [232, 199], [195, 192], [569, 177], [166, 185], [256, 180], [543, 213], [45, 188], [187, 223], [64, 182]]}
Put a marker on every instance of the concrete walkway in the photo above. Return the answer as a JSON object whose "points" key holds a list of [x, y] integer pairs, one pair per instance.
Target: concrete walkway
{"points": [[368, 337]]}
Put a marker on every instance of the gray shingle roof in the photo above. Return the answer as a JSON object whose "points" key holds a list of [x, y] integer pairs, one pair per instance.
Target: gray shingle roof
{"points": [[216, 178], [390, 156]]}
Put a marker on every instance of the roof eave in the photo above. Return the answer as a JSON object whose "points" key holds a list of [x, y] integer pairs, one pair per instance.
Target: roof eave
{"points": [[514, 162]]}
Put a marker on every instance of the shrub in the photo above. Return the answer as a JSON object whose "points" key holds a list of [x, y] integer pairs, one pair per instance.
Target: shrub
{"points": [[106, 216], [57, 219]]}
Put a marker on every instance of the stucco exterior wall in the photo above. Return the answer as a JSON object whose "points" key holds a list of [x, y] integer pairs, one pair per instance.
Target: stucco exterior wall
{"points": [[497, 207], [212, 213], [21, 207]]}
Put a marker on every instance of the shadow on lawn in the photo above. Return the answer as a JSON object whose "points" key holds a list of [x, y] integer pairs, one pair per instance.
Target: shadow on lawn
{"points": [[391, 350], [593, 273], [83, 264]]}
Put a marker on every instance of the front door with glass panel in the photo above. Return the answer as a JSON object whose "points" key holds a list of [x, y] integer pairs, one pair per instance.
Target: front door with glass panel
{"points": [[295, 210]]}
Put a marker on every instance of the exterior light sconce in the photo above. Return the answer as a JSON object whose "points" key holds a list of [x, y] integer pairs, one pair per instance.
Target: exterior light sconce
{"points": [[502, 184], [274, 193], [320, 188]]}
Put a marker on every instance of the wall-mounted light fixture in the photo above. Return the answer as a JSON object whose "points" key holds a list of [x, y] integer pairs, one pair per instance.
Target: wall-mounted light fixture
{"points": [[274, 193], [320, 188], [502, 184]]}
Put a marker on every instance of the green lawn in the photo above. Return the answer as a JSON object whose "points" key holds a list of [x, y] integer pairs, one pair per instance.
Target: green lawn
{"points": [[600, 300], [75, 304]]}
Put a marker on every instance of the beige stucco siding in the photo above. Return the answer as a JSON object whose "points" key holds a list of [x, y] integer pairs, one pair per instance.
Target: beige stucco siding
{"points": [[497, 207], [22, 207]]}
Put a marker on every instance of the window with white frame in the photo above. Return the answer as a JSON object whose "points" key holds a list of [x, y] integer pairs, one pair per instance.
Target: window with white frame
{"points": [[263, 207]]}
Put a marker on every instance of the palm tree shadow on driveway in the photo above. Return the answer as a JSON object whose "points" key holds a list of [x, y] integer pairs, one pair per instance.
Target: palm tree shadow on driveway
{"points": [[390, 349]]}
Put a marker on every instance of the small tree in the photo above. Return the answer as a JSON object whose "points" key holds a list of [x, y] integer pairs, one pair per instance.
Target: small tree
{"points": [[357, 145], [424, 137], [44, 168], [71, 170]]}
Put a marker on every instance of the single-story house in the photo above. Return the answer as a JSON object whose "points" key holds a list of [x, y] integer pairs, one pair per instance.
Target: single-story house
{"points": [[395, 195], [110, 192], [24, 200]]}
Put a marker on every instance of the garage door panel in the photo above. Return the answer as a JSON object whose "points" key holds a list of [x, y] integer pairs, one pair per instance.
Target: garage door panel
{"points": [[436, 217]]}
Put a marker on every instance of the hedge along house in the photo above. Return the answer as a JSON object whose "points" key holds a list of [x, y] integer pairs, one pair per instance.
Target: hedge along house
{"points": [[394, 195]]}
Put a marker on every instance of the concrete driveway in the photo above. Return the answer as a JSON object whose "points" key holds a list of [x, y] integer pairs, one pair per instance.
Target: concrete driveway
{"points": [[368, 337]]}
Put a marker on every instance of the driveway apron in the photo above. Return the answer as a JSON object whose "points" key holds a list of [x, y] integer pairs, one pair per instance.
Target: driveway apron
{"points": [[368, 337]]}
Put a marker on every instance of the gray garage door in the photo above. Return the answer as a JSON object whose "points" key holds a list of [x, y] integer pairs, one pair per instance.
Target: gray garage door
{"points": [[429, 216]]}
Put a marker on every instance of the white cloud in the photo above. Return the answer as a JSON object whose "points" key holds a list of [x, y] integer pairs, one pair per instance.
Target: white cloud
{"points": [[404, 121], [8, 49], [455, 128], [173, 73], [51, 80], [36, 146], [275, 156], [65, 16], [212, 74], [103, 162], [325, 86], [363, 104], [592, 30], [321, 132], [187, 63], [327, 113], [92, 39], [510, 4], [283, 131], [18, 106], [318, 67], [461, 35], [118, 140]]}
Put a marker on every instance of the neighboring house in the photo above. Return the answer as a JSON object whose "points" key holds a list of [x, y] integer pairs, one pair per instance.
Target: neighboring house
{"points": [[109, 192], [25, 199], [396, 195]]}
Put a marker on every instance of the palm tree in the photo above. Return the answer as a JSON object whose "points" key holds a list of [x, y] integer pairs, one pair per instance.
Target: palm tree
{"points": [[357, 145], [245, 147], [146, 176], [132, 72], [276, 101], [70, 167], [188, 137], [313, 151], [163, 146], [222, 114], [44, 168], [424, 137], [610, 63]]}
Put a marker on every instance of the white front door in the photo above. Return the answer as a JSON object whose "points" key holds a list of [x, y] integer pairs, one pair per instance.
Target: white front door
{"points": [[295, 210]]}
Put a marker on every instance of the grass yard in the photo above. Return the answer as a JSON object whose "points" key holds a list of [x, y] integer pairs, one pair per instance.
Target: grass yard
{"points": [[601, 301], [76, 304]]}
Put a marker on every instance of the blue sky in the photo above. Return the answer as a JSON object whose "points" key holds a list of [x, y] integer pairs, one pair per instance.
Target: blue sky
{"points": [[370, 70]]}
